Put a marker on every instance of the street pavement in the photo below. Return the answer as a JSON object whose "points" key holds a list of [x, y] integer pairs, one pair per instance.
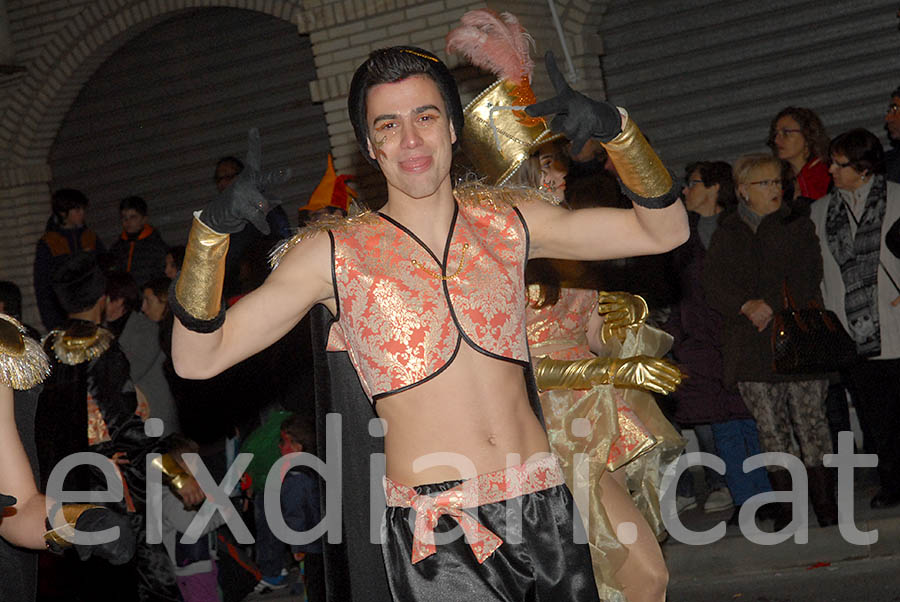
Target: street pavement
{"points": [[734, 569], [825, 568]]}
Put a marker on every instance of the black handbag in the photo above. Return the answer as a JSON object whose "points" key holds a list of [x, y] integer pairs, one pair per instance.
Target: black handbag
{"points": [[810, 340]]}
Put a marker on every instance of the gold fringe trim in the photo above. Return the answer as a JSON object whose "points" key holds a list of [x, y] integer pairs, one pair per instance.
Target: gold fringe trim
{"points": [[476, 193], [326, 223], [79, 344], [23, 364]]}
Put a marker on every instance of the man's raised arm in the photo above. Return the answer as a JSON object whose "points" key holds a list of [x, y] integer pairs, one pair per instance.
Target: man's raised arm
{"points": [[658, 221], [204, 342]]}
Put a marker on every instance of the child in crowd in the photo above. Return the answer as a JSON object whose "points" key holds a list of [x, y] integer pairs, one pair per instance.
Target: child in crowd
{"points": [[195, 564], [300, 501]]}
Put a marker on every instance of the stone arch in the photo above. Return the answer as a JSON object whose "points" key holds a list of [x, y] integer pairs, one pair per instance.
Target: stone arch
{"points": [[55, 78]]}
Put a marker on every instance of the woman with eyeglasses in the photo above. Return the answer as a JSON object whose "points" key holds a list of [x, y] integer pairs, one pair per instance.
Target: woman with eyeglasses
{"points": [[797, 136], [756, 250], [862, 286]]}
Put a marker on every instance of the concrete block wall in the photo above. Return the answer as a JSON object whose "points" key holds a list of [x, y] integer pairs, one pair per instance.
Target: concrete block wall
{"points": [[62, 42]]}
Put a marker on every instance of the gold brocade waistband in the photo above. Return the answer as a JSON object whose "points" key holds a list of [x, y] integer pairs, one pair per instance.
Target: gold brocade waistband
{"points": [[488, 488]]}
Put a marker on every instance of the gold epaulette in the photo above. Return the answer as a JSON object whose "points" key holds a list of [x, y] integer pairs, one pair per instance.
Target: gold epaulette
{"points": [[326, 223], [477, 193], [79, 343], [23, 364]]}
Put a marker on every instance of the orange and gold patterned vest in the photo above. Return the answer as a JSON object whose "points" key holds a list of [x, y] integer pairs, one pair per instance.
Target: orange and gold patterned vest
{"points": [[402, 312]]}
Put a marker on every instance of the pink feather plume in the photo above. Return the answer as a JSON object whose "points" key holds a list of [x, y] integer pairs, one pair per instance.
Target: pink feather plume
{"points": [[495, 42]]}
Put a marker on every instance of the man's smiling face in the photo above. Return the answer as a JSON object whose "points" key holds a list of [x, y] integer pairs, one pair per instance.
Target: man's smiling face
{"points": [[410, 135]]}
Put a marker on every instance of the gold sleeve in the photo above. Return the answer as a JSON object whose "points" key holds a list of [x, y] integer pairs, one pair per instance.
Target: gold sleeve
{"points": [[198, 290], [638, 165]]}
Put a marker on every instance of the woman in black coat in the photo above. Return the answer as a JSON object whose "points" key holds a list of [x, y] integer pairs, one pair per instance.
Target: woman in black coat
{"points": [[756, 250]]}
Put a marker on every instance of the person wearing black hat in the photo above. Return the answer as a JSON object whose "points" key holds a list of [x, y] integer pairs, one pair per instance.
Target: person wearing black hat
{"points": [[429, 299], [88, 404]]}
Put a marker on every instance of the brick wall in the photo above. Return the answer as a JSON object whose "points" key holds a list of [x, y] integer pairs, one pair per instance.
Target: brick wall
{"points": [[61, 42]]}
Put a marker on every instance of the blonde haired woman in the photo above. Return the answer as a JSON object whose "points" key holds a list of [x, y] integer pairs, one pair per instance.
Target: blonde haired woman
{"points": [[754, 253]]}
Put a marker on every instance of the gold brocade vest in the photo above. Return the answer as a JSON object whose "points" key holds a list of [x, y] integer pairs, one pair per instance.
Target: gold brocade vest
{"points": [[402, 312]]}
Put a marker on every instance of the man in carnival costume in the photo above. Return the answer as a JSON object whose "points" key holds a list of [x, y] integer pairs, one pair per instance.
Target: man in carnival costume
{"points": [[429, 300]]}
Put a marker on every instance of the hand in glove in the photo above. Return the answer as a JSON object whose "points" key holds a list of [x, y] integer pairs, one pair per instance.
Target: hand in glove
{"points": [[244, 201], [89, 519], [620, 311], [638, 372], [645, 372], [577, 116]]}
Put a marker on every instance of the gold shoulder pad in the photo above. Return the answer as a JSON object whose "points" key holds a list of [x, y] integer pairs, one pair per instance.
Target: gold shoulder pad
{"points": [[326, 223], [23, 364], [79, 343], [477, 193]]}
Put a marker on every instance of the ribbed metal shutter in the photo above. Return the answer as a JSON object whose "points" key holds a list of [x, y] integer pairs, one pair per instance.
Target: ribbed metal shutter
{"points": [[703, 79], [155, 117]]}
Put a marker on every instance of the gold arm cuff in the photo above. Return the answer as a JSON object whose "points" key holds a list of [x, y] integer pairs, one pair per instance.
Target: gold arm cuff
{"points": [[62, 535], [572, 374], [199, 286], [172, 469], [637, 164]]}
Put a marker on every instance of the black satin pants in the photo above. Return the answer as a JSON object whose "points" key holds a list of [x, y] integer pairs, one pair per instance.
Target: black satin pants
{"points": [[538, 561]]}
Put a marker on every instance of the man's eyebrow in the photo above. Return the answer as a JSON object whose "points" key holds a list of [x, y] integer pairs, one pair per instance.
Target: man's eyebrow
{"points": [[417, 111]]}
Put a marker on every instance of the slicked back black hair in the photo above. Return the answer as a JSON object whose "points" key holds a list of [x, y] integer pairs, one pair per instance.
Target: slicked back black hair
{"points": [[388, 65]]}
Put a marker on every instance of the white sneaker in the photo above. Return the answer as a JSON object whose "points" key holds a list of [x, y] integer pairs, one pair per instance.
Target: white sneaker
{"points": [[718, 500], [683, 503]]}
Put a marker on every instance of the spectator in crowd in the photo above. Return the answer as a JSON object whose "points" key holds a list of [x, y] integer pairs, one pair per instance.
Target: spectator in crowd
{"points": [[796, 135], [138, 336], [860, 285], [11, 305], [300, 502], [66, 233], [194, 564], [139, 250], [155, 304], [757, 250], [174, 259], [892, 125], [716, 412]]}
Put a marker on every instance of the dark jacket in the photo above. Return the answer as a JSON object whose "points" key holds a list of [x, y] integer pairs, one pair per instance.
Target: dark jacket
{"points": [[143, 255], [892, 165], [743, 265], [702, 397], [52, 248]]}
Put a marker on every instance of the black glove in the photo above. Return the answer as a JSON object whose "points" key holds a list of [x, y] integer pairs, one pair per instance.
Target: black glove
{"points": [[243, 201], [577, 116], [5, 501], [118, 551]]}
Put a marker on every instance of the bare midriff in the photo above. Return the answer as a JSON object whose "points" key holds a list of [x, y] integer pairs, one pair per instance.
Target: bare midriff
{"points": [[472, 418]]}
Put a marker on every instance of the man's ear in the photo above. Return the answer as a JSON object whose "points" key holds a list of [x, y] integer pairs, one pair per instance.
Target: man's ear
{"points": [[452, 133], [371, 150]]}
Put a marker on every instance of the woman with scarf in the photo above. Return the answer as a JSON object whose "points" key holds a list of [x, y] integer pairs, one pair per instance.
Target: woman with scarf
{"points": [[861, 278]]}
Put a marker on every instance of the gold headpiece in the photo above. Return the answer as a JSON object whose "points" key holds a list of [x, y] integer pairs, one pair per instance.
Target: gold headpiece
{"points": [[498, 135], [23, 363]]}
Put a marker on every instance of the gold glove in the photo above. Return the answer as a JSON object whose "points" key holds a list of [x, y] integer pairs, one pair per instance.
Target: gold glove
{"points": [[169, 466], [620, 311], [637, 164], [60, 536], [199, 287], [638, 372]]}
